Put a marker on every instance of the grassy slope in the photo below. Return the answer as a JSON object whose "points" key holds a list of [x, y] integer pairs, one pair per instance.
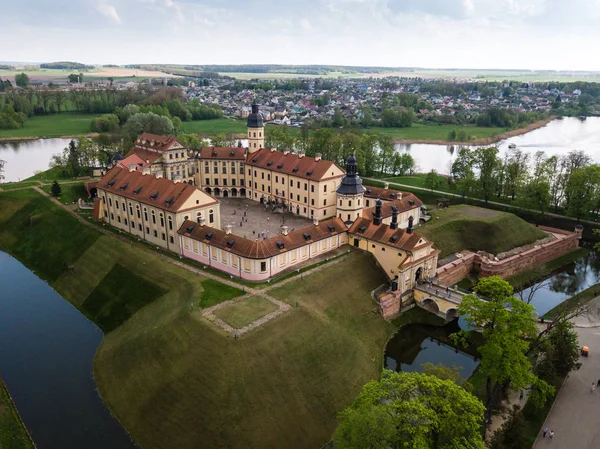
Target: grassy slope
{"points": [[57, 125], [458, 228], [13, 434], [175, 380], [70, 193], [182, 381], [435, 131]]}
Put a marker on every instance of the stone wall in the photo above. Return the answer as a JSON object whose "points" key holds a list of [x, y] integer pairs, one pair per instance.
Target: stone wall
{"points": [[487, 265], [391, 302]]}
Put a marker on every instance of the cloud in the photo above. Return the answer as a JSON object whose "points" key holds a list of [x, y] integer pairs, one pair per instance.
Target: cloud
{"points": [[108, 11], [305, 24]]}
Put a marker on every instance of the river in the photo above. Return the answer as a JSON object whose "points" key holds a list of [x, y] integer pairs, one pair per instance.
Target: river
{"points": [[46, 352], [556, 138]]}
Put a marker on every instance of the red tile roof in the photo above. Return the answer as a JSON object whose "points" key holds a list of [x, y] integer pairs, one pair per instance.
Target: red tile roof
{"points": [[384, 194], [262, 249], [397, 238], [149, 157], [403, 205], [127, 183], [292, 164], [155, 142], [133, 159], [222, 153]]}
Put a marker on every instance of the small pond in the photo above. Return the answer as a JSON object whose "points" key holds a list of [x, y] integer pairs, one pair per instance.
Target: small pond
{"points": [[46, 352], [416, 344]]}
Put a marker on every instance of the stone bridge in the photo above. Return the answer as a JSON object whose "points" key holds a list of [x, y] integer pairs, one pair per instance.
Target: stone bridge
{"points": [[438, 299]]}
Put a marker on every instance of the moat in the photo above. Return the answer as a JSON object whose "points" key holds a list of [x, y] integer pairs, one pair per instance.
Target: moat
{"points": [[47, 348]]}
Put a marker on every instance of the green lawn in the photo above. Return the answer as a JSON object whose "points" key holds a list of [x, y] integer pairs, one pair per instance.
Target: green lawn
{"points": [[13, 434], [70, 193], [216, 126], [246, 311], [214, 292], [172, 378], [474, 228], [57, 125], [18, 185], [54, 173], [418, 180], [435, 131]]}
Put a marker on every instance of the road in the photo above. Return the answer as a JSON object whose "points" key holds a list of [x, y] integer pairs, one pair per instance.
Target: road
{"points": [[574, 416], [509, 206]]}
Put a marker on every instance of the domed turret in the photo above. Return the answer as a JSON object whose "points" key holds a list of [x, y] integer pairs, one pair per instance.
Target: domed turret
{"points": [[256, 129], [350, 193]]}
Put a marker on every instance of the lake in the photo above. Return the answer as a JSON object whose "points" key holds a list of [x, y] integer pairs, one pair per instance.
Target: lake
{"points": [[556, 138], [24, 158], [46, 352]]}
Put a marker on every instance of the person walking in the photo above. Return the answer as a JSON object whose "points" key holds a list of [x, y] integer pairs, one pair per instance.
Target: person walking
{"points": [[551, 434], [544, 432], [593, 387]]}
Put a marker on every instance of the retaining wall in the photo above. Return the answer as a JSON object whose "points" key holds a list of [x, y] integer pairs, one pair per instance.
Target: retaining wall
{"points": [[528, 259]]}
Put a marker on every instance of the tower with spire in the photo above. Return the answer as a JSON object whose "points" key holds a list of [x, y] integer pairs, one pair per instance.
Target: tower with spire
{"points": [[256, 130], [350, 193]]}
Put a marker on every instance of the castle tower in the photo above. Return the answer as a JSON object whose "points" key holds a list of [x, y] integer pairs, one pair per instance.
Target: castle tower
{"points": [[256, 130], [350, 193]]}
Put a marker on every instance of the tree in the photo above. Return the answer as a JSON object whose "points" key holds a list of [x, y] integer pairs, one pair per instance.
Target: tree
{"points": [[59, 98], [512, 434], [431, 180], [72, 158], [75, 78], [560, 353], [105, 123], [508, 326], [55, 189], [148, 122], [176, 124], [583, 191], [21, 80], [487, 162], [411, 410]]}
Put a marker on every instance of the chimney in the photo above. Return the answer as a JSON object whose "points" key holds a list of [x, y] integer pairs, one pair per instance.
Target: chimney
{"points": [[386, 185], [301, 155], [202, 221], [132, 167], [286, 152], [315, 221], [377, 217], [228, 229], [284, 229], [409, 230], [318, 157], [145, 170], [273, 149], [158, 174], [394, 224]]}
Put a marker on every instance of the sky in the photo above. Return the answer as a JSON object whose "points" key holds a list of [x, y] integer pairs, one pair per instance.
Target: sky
{"points": [[501, 34]]}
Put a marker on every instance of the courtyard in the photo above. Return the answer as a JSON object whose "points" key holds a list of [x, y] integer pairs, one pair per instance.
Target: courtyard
{"points": [[253, 220]]}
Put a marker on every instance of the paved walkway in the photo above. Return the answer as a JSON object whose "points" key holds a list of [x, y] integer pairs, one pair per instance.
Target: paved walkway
{"points": [[575, 415]]}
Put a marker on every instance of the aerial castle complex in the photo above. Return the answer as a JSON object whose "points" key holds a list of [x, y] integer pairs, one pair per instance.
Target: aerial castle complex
{"points": [[165, 194]]}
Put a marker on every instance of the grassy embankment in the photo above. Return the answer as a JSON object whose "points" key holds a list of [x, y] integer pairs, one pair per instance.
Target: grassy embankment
{"points": [[174, 379], [13, 434], [467, 227]]}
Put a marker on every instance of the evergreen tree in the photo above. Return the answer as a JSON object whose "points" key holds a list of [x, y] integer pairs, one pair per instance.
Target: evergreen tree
{"points": [[55, 189]]}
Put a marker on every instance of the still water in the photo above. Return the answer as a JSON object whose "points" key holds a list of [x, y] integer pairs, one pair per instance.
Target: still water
{"points": [[416, 344], [571, 279], [46, 353], [556, 138], [24, 158]]}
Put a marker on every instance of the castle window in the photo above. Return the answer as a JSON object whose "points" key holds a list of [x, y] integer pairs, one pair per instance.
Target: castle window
{"points": [[259, 134], [153, 217], [263, 266], [164, 237], [325, 188], [349, 203], [254, 134], [211, 218], [170, 224], [324, 202], [305, 186], [312, 188], [312, 201], [324, 213], [340, 203]]}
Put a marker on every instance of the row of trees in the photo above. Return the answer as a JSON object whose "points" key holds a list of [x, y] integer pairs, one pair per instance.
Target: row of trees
{"points": [[375, 154], [569, 183], [429, 410]]}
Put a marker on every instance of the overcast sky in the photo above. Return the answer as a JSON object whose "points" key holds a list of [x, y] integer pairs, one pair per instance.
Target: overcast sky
{"points": [[522, 34]]}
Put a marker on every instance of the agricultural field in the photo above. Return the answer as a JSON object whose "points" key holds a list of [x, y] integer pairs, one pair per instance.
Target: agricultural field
{"points": [[46, 75]]}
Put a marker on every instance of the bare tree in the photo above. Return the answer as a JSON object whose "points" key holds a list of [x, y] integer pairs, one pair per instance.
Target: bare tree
{"points": [[2, 169]]}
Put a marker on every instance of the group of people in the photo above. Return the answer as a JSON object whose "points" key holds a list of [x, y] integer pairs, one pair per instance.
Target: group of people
{"points": [[545, 431]]}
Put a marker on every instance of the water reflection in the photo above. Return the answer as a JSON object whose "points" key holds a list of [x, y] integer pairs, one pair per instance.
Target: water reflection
{"points": [[24, 158], [417, 344], [558, 137], [571, 279]]}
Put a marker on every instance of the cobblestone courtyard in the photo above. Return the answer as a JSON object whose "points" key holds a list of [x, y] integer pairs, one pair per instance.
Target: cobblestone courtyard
{"points": [[235, 212]]}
